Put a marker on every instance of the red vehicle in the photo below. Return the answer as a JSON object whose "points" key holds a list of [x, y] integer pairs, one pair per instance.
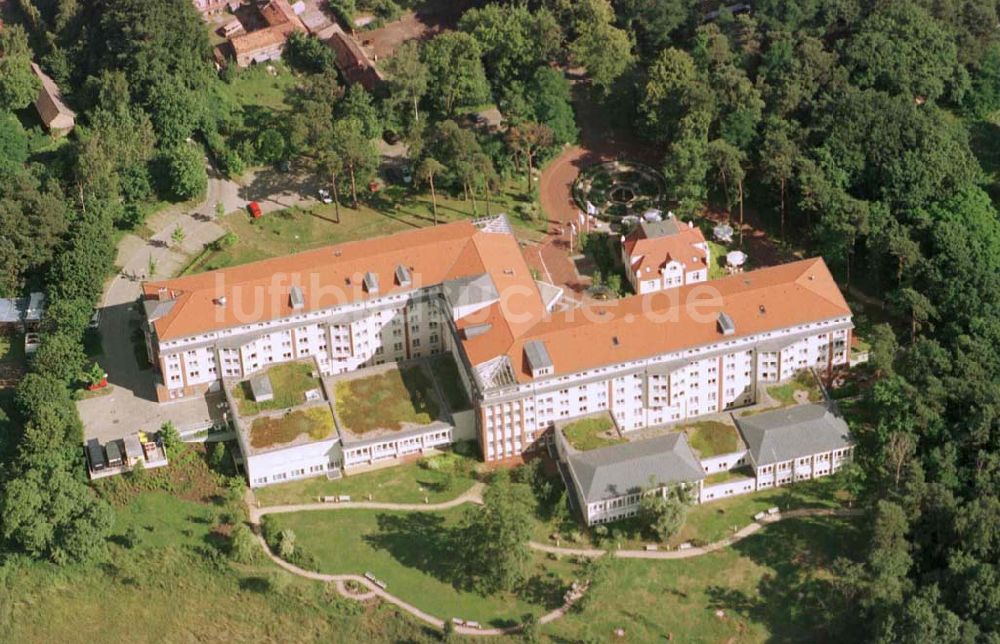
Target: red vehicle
{"points": [[254, 209]]}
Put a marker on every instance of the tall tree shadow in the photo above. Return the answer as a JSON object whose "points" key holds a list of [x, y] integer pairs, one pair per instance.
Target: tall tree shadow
{"points": [[422, 540]]}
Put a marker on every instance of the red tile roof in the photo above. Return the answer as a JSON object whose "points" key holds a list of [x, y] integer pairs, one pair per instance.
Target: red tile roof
{"points": [[654, 252]]}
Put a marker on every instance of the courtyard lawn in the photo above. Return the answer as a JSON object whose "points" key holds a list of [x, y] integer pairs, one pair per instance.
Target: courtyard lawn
{"points": [[774, 586], [728, 475], [711, 438], [289, 382], [446, 373], [592, 433], [387, 400], [784, 394], [268, 431], [407, 483], [416, 555]]}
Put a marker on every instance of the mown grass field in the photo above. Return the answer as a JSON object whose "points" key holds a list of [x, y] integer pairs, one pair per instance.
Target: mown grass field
{"points": [[408, 483], [418, 556]]}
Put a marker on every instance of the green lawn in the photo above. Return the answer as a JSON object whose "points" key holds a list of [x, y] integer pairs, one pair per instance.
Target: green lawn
{"points": [[775, 586], [267, 431], [386, 400], [592, 433], [289, 382], [715, 520], [298, 229], [728, 475], [711, 438], [407, 483], [717, 263], [254, 87], [784, 394], [176, 585], [416, 555], [447, 376]]}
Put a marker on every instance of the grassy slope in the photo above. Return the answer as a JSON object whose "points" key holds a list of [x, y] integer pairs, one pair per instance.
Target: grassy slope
{"points": [[415, 554], [774, 586]]}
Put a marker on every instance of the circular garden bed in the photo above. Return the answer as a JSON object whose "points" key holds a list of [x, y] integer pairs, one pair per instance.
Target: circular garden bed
{"points": [[619, 189]]}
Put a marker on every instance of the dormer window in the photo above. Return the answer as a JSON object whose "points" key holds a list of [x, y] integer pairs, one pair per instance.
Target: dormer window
{"points": [[403, 277], [537, 358], [371, 283], [726, 324], [296, 298]]}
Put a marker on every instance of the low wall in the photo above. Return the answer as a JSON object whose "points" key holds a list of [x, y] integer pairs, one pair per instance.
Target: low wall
{"points": [[724, 462], [727, 489]]}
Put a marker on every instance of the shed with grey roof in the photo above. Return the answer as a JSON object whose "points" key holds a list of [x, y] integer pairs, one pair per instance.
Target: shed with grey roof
{"points": [[793, 432], [614, 471], [261, 388]]}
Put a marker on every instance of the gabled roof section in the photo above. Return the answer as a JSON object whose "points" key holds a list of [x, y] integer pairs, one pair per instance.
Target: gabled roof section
{"points": [[793, 432], [632, 467], [651, 246], [648, 325]]}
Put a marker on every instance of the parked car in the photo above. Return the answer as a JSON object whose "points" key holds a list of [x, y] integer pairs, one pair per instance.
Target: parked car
{"points": [[95, 319], [324, 195], [254, 209], [31, 342]]}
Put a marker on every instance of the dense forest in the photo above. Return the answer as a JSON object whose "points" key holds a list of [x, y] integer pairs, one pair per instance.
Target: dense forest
{"points": [[861, 131]]}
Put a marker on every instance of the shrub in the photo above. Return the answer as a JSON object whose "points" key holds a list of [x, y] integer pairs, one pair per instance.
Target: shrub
{"points": [[243, 546], [171, 440], [286, 544]]}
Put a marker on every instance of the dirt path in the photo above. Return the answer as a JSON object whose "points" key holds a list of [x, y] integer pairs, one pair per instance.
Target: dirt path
{"points": [[740, 535], [473, 495]]}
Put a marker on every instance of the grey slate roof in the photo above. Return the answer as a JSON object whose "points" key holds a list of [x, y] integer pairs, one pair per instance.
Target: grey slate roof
{"points": [[654, 229], [472, 290], [793, 432], [537, 355], [612, 471]]}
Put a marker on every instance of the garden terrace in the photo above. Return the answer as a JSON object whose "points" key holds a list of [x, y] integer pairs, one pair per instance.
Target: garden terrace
{"points": [[591, 433], [389, 401], [801, 389], [302, 425], [434, 479], [711, 438], [289, 382]]}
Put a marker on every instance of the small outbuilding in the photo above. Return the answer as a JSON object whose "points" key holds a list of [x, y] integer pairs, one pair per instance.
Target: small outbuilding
{"points": [[261, 389], [57, 118]]}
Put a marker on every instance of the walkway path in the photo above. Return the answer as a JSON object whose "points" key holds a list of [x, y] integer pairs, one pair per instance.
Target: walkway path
{"points": [[133, 390], [473, 495], [740, 535]]}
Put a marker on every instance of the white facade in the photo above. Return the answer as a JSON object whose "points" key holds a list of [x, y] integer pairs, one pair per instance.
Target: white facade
{"points": [[291, 463], [671, 275], [342, 339], [803, 468], [661, 389]]}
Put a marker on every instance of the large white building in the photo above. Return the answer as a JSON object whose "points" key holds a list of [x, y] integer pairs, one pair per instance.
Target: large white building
{"points": [[647, 360]]}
